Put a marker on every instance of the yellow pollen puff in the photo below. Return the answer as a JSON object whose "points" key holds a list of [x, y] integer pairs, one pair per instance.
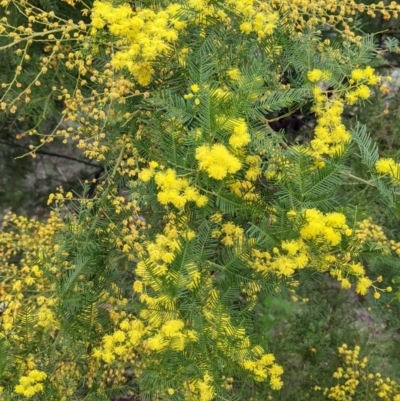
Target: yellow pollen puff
{"points": [[233, 74], [363, 285], [194, 88], [363, 92], [246, 28], [217, 161], [240, 136], [146, 174], [387, 166], [314, 75], [175, 190], [172, 327]]}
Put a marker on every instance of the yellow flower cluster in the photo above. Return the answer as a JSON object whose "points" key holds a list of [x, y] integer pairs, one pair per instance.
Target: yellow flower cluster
{"points": [[173, 189], [119, 345], [330, 133], [277, 164], [254, 169], [200, 390], [255, 17], [146, 174], [292, 256], [228, 383], [325, 228], [217, 161], [232, 234], [32, 384], [233, 74], [145, 35], [162, 253], [365, 75], [303, 14], [395, 247], [353, 379], [46, 318], [171, 336], [59, 197], [245, 190], [132, 334], [264, 367], [361, 78], [233, 342], [151, 271], [194, 89], [366, 230], [386, 389], [261, 21], [240, 136], [389, 168], [363, 283], [317, 75], [326, 231], [32, 240]]}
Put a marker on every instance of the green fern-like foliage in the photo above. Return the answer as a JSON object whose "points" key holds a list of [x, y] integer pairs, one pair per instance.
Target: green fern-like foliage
{"points": [[154, 281]]}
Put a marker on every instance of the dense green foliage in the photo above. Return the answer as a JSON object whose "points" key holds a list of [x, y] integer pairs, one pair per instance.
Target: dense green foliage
{"points": [[218, 254]]}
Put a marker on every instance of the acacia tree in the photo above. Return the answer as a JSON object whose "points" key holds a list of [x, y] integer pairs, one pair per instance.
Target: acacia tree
{"points": [[153, 285]]}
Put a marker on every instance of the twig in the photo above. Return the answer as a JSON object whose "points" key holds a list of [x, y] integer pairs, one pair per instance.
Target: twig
{"points": [[43, 152]]}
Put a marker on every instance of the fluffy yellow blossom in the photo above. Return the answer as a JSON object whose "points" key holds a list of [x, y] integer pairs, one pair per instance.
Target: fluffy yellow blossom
{"points": [[357, 74], [176, 190], [363, 285], [357, 269], [246, 27], [363, 92], [138, 286], [233, 74], [172, 327], [367, 74], [245, 190], [201, 201], [119, 336], [31, 384], [351, 98], [292, 247], [345, 284], [217, 161], [195, 88], [331, 135], [157, 342], [240, 136], [314, 75], [231, 234], [146, 174], [327, 227], [387, 166]]}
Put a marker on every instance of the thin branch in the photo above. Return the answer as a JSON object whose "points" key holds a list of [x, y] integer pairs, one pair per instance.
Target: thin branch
{"points": [[43, 152], [369, 183]]}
